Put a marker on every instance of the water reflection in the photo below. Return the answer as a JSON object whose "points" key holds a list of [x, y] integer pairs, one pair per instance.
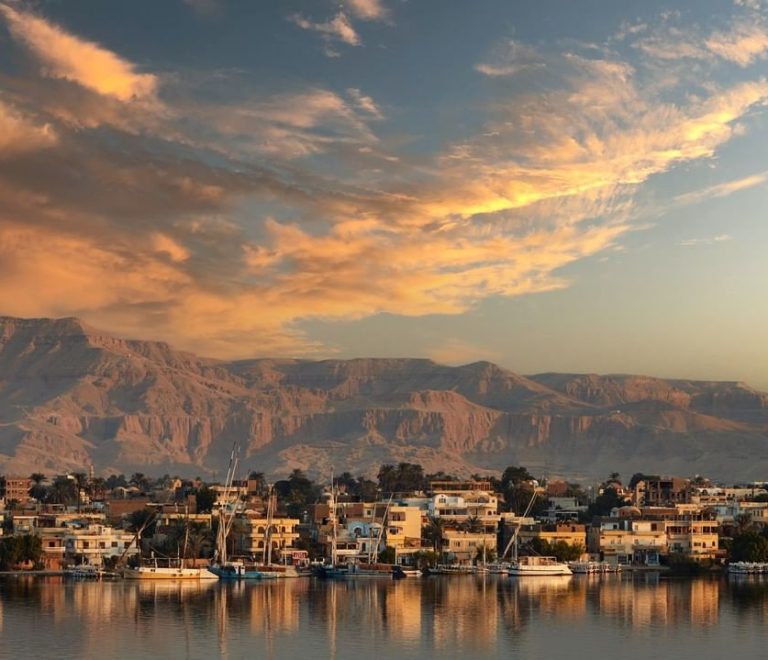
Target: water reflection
{"points": [[410, 618]]}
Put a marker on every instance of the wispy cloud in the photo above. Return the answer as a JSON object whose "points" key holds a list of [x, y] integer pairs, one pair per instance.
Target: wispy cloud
{"points": [[710, 240], [224, 224], [19, 133], [722, 189], [337, 29], [77, 60], [368, 10]]}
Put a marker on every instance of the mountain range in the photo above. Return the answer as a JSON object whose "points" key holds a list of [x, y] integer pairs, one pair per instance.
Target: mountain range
{"points": [[72, 396]]}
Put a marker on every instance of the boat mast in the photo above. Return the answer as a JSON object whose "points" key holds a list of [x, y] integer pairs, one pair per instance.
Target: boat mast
{"points": [[513, 541], [381, 530], [332, 519], [268, 530]]}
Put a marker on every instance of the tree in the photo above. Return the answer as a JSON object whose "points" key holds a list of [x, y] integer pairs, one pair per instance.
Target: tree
{"points": [[472, 524], [388, 555], [485, 553], [749, 546], [64, 491], [140, 480], [433, 533], [514, 476], [561, 550], [206, 498], [405, 478], [16, 550], [609, 499], [142, 521], [116, 481], [637, 477]]}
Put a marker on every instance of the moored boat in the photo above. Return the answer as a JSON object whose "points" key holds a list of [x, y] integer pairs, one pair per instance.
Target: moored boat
{"points": [[170, 572], [535, 565]]}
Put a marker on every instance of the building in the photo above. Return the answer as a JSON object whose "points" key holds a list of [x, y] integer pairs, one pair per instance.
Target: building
{"points": [[463, 547], [254, 534], [17, 490]]}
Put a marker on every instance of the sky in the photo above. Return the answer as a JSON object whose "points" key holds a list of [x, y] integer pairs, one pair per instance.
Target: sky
{"points": [[559, 185]]}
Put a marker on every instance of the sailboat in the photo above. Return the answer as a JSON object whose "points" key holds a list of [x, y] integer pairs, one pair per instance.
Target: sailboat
{"points": [[372, 568], [166, 569], [332, 569], [532, 565], [223, 567]]}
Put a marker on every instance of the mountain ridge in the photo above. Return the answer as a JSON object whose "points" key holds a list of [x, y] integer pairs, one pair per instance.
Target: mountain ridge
{"points": [[72, 396]]}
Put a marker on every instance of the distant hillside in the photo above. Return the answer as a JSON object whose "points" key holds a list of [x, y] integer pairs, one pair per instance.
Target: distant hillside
{"points": [[71, 396]]}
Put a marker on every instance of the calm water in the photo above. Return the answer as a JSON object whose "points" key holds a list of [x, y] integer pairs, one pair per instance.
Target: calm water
{"points": [[441, 617]]}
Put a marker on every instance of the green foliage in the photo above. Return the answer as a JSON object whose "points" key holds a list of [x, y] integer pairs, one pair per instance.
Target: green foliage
{"points": [[561, 550], [487, 555], [680, 564], [403, 478], [433, 533], [16, 550], [749, 546], [115, 481], [388, 555], [296, 492], [514, 476], [206, 498], [64, 491], [637, 477], [143, 520], [517, 489], [425, 559], [609, 499]]}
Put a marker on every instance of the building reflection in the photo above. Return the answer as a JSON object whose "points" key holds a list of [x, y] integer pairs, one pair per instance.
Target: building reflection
{"points": [[335, 619]]}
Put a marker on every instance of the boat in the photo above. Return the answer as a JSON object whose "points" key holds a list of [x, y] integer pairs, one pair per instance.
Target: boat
{"points": [[363, 569], [593, 567], [534, 565], [537, 565], [239, 570], [332, 569], [154, 571], [400, 572], [88, 572], [222, 566]]}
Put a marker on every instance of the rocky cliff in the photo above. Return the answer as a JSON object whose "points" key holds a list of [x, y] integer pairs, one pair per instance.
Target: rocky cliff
{"points": [[71, 396]]}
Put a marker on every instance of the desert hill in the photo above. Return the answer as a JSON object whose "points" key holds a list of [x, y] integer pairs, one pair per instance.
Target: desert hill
{"points": [[72, 396]]}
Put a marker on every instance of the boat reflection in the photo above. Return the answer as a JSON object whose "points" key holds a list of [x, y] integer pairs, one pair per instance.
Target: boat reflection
{"points": [[439, 614]]}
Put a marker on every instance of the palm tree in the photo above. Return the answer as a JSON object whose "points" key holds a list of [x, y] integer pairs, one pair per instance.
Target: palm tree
{"points": [[433, 533]]}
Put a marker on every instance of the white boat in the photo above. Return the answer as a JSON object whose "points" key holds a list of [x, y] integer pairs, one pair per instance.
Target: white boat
{"points": [[535, 565], [155, 572]]}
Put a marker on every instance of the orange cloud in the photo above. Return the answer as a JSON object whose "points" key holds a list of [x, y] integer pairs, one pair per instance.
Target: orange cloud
{"points": [[83, 62], [226, 255], [18, 133]]}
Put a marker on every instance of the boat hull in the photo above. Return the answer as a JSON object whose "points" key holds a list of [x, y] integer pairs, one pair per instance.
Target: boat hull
{"points": [[165, 573]]}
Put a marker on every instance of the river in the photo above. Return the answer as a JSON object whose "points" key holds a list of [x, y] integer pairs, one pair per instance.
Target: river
{"points": [[619, 616]]}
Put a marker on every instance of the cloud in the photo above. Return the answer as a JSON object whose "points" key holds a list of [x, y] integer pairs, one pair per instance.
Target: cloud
{"points": [[511, 58], [19, 133], [337, 29], [722, 189], [743, 42], [83, 62], [291, 125], [710, 240], [365, 103], [742, 45], [368, 10], [222, 222]]}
